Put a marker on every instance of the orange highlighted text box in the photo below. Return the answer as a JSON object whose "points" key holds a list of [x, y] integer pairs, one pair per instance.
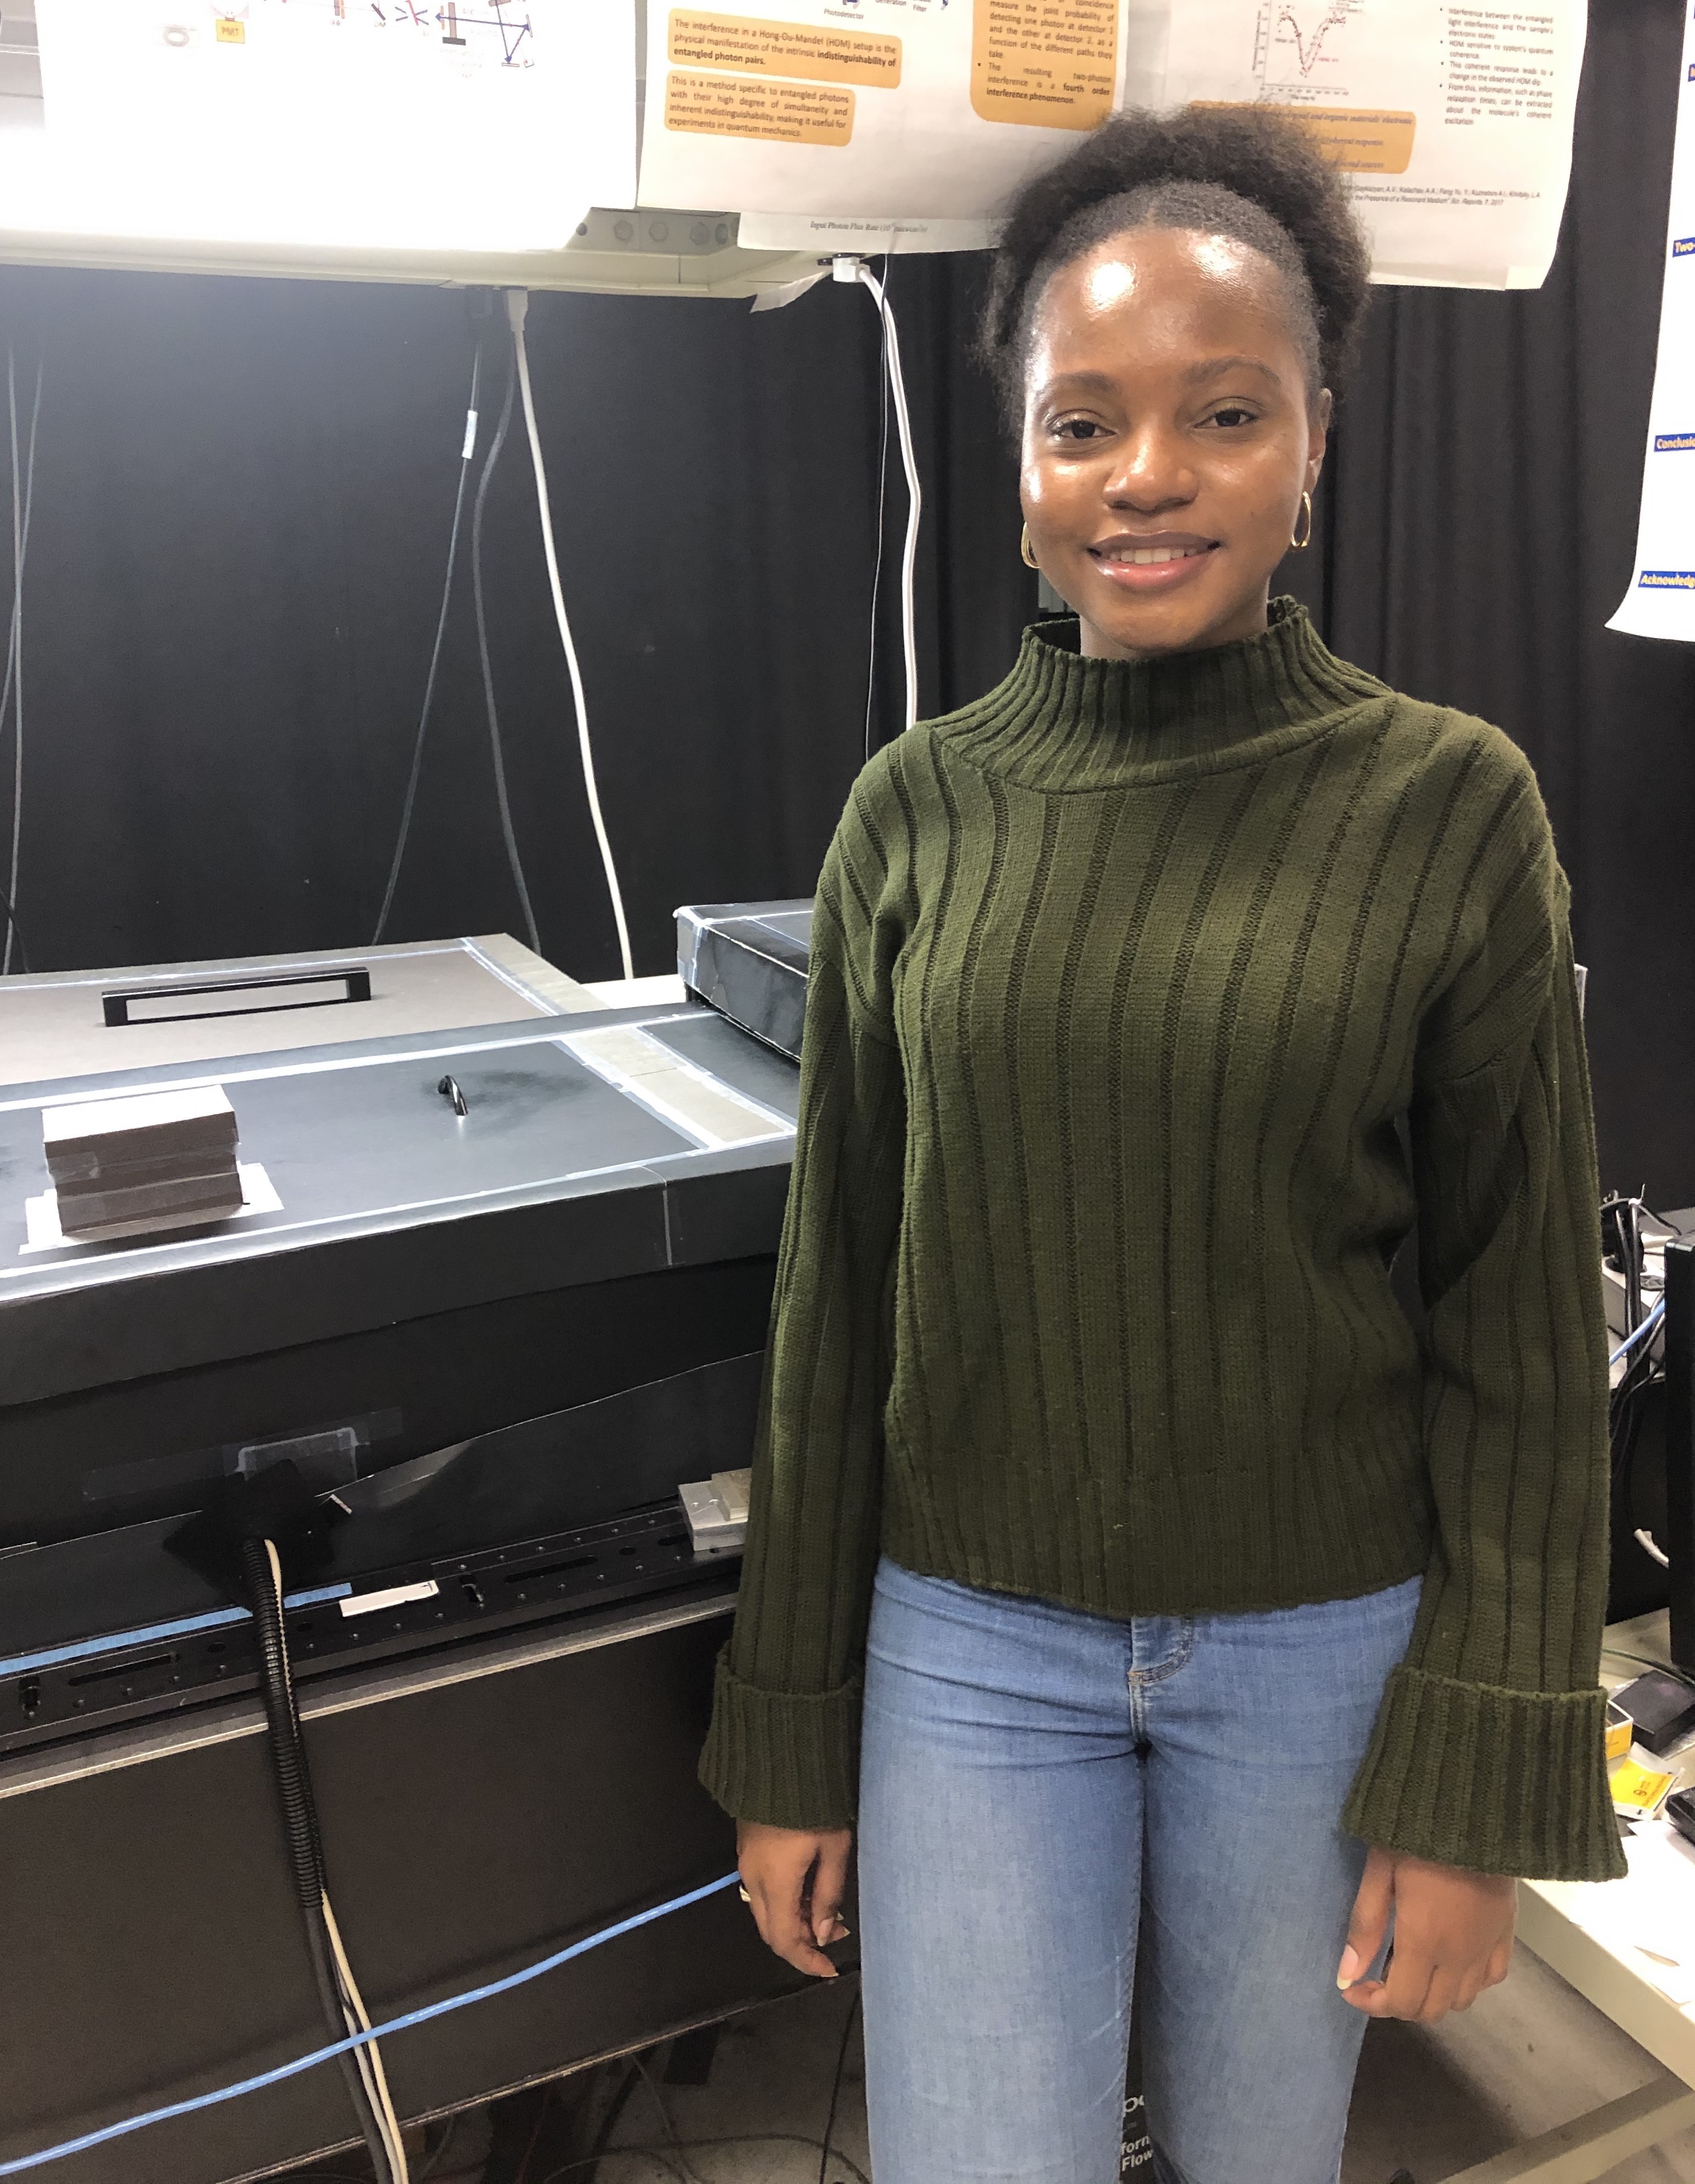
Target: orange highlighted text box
{"points": [[1044, 64], [1359, 141], [753, 47], [781, 113]]}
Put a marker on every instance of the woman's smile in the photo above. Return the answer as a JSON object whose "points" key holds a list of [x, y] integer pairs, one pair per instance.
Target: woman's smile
{"points": [[1152, 561]]}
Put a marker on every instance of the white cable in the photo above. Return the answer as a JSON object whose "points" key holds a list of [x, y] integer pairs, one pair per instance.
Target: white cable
{"points": [[367, 2061], [1646, 1539], [915, 499], [369, 2057], [517, 305], [877, 559]]}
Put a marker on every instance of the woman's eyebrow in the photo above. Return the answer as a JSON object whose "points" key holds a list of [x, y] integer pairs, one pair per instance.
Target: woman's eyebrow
{"points": [[1100, 381], [1210, 367], [1204, 368]]}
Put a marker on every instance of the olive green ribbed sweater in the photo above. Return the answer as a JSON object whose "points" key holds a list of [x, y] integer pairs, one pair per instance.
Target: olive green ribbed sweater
{"points": [[1121, 979]]}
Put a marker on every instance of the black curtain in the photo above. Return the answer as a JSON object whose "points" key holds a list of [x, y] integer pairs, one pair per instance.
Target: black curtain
{"points": [[241, 502], [242, 493], [1478, 528]]}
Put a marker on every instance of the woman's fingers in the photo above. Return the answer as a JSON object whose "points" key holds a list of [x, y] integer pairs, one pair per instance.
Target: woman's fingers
{"points": [[1453, 1936], [1369, 1927], [1404, 1989], [829, 1886], [783, 1927], [1441, 1995], [792, 1876], [1478, 1978]]}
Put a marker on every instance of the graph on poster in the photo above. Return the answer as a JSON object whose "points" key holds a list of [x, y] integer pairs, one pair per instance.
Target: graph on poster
{"points": [[1301, 50], [461, 37], [482, 34], [1452, 119]]}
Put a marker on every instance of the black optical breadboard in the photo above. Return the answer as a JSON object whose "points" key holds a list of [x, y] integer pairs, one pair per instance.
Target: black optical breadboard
{"points": [[136, 1675]]}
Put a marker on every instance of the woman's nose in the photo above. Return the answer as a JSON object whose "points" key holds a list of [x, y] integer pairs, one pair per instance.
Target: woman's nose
{"points": [[1154, 472]]}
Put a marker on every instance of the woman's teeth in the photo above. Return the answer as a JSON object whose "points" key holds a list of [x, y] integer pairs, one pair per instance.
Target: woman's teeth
{"points": [[1143, 556]]}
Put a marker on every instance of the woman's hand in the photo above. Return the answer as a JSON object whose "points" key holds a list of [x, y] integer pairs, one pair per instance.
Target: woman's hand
{"points": [[1453, 1936], [795, 1881]]}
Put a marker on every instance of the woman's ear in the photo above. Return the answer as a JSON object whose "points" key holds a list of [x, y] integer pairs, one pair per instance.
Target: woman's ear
{"points": [[1318, 435]]}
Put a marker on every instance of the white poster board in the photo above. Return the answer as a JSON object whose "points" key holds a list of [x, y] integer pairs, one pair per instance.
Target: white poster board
{"points": [[1454, 121], [1661, 598], [873, 108], [431, 124]]}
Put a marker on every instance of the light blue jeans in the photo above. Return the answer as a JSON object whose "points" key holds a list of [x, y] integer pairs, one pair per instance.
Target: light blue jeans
{"points": [[1036, 1783]]}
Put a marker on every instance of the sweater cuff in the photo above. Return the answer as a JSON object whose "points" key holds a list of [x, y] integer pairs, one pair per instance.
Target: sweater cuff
{"points": [[1500, 1781], [790, 1760]]}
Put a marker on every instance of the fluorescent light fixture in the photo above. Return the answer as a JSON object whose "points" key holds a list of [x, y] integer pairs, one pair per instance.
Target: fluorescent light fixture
{"points": [[479, 128]]}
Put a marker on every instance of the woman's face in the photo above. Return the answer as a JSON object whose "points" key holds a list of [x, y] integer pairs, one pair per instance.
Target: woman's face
{"points": [[1168, 436]]}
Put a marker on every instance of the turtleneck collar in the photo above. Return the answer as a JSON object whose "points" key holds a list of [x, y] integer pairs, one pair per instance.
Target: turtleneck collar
{"points": [[1060, 722]]}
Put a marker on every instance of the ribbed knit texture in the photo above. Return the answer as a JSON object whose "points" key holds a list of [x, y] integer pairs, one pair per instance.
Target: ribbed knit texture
{"points": [[1121, 979]]}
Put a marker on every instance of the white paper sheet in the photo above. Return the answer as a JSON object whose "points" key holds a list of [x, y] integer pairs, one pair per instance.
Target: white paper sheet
{"points": [[1648, 1919], [876, 108], [1452, 120], [867, 238], [473, 125], [1661, 598]]}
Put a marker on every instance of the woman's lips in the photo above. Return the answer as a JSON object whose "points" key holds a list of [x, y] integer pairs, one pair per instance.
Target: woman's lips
{"points": [[1150, 565]]}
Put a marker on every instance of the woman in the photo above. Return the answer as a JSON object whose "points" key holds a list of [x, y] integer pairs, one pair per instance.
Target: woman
{"points": [[1212, 1606]]}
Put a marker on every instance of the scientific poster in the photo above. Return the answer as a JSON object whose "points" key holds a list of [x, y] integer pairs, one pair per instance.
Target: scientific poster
{"points": [[440, 125], [869, 108], [1661, 598], [1454, 121]]}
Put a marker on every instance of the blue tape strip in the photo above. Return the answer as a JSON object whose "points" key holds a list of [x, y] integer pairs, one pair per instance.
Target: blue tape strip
{"points": [[89, 1649], [317, 1597], [151, 1634]]}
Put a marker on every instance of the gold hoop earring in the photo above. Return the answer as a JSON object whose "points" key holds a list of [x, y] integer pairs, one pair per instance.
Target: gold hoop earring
{"points": [[1295, 544], [1030, 560]]}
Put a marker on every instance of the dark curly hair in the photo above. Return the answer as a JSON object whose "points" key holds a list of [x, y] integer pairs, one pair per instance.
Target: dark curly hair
{"points": [[1238, 170]]}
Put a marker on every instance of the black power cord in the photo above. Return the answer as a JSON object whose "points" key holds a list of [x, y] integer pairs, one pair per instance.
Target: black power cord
{"points": [[610, 2122], [508, 834], [300, 1827], [1641, 1386], [836, 2088], [469, 449]]}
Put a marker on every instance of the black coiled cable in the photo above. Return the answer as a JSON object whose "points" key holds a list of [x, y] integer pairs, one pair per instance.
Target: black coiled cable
{"points": [[300, 1827]]}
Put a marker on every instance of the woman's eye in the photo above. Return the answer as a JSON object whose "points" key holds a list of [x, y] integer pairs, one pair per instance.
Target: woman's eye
{"points": [[1232, 415], [1076, 428]]}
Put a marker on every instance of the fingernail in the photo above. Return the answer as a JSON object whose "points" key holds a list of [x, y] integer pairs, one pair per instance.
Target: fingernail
{"points": [[1349, 1969], [843, 1933]]}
